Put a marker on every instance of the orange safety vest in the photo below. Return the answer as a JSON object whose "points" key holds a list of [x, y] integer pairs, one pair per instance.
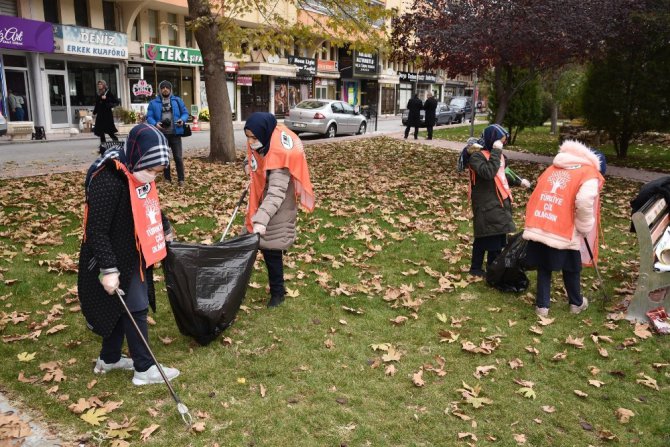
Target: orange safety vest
{"points": [[551, 207], [502, 186], [147, 217], [286, 151]]}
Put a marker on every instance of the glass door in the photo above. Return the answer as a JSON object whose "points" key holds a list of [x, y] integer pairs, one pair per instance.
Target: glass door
{"points": [[58, 99]]}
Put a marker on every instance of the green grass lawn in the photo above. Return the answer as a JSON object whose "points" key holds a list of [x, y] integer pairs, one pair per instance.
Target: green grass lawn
{"points": [[538, 140], [368, 349]]}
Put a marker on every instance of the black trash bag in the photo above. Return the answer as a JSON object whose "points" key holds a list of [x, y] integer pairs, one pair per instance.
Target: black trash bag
{"points": [[207, 283], [507, 273]]}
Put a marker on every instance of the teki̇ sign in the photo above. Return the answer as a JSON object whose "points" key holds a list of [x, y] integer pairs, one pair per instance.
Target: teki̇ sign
{"points": [[177, 55]]}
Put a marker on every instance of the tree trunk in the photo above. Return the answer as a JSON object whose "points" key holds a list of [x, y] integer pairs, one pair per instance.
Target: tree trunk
{"points": [[221, 137], [554, 117], [503, 92]]}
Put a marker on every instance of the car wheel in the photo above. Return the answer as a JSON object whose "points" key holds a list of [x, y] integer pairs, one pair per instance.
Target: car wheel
{"points": [[362, 128], [332, 131]]}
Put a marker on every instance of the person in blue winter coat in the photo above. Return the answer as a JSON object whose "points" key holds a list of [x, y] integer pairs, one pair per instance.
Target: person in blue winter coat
{"points": [[168, 113]]}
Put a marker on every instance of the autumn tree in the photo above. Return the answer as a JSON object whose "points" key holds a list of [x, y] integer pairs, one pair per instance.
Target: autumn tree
{"points": [[517, 39], [628, 91], [237, 27]]}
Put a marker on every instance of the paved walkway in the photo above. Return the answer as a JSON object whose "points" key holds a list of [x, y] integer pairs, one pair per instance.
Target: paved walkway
{"points": [[40, 435]]}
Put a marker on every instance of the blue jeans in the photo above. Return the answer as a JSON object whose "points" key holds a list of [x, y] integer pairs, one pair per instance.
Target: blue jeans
{"points": [[111, 346], [570, 280]]}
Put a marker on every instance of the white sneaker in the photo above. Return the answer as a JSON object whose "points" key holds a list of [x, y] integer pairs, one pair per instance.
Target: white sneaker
{"points": [[542, 311], [578, 309], [102, 367], [153, 375]]}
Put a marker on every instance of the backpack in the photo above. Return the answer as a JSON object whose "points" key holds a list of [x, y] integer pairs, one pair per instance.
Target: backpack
{"points": [[464, 156]]}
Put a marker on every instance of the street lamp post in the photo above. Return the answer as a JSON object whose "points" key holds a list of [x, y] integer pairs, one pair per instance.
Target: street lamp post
{"points": [[472, 117]]}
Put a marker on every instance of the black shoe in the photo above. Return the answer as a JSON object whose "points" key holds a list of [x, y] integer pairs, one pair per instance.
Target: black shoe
{"points": [[275, 301], [180, 183], [477, 272]]}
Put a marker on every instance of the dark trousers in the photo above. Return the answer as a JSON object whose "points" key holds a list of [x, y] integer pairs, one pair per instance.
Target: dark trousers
{"points": [[416, 131], [111, 135], [175, 144], [570, 281], [111, 346], [275, 265], [478, 252], [430, 132]]}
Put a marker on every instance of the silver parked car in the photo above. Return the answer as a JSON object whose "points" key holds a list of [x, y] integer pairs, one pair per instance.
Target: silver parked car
{"points": [[325, 116], [3, 125]]}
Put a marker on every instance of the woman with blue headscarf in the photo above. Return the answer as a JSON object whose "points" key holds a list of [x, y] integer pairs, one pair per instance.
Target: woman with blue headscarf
{"points": [[491, 197], [124, 236]]}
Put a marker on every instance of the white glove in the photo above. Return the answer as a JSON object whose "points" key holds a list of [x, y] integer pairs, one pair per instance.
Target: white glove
{"points": [[498, 145], [247, 169], [525, 183], [111, 282], [260, 229]]}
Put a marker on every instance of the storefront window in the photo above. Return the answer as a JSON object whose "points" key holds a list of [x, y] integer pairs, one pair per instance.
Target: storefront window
{"points": [[83, 81]]}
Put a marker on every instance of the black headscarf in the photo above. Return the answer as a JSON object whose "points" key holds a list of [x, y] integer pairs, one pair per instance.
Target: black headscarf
{"points": [[262, 124]]}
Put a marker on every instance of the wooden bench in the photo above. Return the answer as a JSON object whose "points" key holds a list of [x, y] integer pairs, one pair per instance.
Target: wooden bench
{"points": [[650, 223]]}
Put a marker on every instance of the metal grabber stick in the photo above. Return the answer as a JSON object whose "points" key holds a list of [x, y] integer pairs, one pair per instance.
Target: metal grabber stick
{"points": [[181, 408], [606, 299], [237, 207]]}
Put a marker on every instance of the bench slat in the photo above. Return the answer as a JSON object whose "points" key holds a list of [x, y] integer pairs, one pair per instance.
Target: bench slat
{"points": [[659, 229], [656, 208]]}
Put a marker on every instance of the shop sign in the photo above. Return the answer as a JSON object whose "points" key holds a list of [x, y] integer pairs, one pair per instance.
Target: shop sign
{"points": [[365, 63], [90, 42], [134, 72], [320, 81], [429, 78], [142, 88], [177, 55], [407, 76], [326, 65], [245, 80], [232, 67], [306, 66], [26, 35]]}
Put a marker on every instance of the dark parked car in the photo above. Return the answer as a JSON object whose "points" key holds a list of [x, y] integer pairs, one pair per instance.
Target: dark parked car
{"points": [[462, 106], [443, 115]]}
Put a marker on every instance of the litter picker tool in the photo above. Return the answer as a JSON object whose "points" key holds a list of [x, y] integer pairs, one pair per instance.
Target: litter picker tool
{"points": [[181, 408], [606, 298], [237, 207]]}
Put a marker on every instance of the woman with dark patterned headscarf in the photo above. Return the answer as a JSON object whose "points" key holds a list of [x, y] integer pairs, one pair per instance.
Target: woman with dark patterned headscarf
{"points": [[124, 236], [491, 197]]}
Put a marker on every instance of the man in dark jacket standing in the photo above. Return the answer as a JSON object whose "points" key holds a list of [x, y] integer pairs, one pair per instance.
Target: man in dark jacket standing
{"points": [[414, 106], [430, 106], [168, 113]]}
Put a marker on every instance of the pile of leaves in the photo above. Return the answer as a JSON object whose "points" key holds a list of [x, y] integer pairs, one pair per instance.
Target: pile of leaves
{"points": [[383, 339]]}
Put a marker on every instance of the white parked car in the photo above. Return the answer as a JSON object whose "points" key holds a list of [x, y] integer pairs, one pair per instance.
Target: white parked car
{"points": [[325, 116]]}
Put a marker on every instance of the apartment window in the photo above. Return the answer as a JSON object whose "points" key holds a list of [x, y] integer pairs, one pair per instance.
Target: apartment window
{"points": [[81, 12], [333, 53], [109, 16], [134, 35], [51, 8], [189, 38], [173, 33], [323, 54], [154, 30]]}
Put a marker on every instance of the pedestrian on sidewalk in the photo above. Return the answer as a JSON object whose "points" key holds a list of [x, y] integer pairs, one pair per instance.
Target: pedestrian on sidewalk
{"points": [[430, 107], [105, 101], [124, 236], [491, 197], [414, 106], [16, 112], [168, 113], [279, 175], [562, 211]]}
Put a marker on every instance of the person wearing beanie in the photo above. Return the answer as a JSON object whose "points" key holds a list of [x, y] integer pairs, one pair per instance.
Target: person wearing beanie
{"points": [[562, 215], [277, 167], [168, 113], [491, 196], [124, 237]]}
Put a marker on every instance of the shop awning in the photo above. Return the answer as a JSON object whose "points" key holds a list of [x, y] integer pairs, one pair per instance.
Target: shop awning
{"points": [[389, 79], [267, 69], [327, 75]]}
